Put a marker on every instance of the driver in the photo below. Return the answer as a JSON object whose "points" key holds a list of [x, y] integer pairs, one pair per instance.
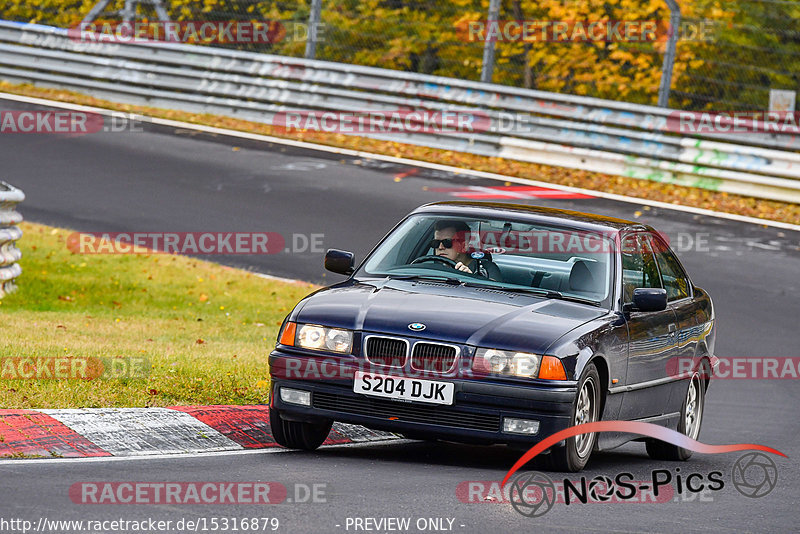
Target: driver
{"points": [[449, 240]]}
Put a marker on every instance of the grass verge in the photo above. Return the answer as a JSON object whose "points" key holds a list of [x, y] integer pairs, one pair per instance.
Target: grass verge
{"points": [[674, 194], [203, 330]]}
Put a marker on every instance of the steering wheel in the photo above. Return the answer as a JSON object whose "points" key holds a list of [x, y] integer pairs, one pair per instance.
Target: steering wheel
{"points": [[435, 258]]}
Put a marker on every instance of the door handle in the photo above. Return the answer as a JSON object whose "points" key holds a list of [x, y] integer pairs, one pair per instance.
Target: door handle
{"points": [[672, 329]]}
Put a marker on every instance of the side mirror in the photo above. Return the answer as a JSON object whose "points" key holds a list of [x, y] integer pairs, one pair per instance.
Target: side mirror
{"points": [[340, 261], [646, 299]]}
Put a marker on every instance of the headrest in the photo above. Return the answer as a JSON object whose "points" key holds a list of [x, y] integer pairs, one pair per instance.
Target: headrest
{"points": [[581, 278]]}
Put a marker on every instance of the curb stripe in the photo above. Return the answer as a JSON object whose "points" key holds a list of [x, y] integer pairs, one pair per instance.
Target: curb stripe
{"points": [[143, 431], [248, 426], [135, 432], [344, 433], [31, 433]]}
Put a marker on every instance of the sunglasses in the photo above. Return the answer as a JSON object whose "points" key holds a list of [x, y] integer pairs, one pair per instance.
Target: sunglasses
{"points": [[448, 243]]}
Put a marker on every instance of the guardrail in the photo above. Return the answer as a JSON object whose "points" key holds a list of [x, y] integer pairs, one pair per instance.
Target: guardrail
{"points": [[9, 234], [548, 128]]}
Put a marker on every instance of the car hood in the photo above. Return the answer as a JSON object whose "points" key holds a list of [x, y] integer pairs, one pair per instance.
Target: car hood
{"points": [[454, 314]]}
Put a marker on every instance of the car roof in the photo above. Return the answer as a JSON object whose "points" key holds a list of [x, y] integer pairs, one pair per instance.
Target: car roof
{"points": [[573, 219]]}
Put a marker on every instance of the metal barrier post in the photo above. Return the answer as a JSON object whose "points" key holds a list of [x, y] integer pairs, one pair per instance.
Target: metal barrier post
{"points": [[487, 67], [669, 56], [313, 23]]}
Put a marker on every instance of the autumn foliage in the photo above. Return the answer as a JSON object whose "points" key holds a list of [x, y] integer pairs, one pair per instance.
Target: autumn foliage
{"points": [[729, 54]]}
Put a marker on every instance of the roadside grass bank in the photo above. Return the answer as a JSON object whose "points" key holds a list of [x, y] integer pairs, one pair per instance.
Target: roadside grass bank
{"points": [[673, 194], [172, 330]]}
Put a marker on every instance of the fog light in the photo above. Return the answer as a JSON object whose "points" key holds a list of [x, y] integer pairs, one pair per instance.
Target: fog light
{"points": [[520, 426], [296, 396]]}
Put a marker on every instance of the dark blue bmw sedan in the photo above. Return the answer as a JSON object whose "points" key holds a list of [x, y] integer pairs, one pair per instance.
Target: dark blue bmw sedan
{"points": [[499, 323]]}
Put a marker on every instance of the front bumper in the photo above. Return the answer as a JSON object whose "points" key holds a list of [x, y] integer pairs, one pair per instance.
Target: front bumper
{"points": [[476, 415]]}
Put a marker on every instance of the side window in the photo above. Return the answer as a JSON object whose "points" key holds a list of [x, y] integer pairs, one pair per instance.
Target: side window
{"points": [[638, 265], [674, 278]]}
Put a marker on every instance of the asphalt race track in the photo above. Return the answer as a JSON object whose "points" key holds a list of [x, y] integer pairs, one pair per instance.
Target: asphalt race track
{"points": [[162, 179]]}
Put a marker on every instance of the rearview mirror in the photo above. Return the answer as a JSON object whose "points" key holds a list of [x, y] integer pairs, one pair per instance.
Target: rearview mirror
{"points": [[340, 261], [647, 299]]}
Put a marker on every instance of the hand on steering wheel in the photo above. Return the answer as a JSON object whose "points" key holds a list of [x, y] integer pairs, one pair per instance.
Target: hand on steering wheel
{"points": [[443, 259], [432, 257], [461, 267]]}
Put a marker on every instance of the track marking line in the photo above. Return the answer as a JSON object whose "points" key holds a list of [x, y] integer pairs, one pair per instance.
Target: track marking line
{"points": [[409, 162]]}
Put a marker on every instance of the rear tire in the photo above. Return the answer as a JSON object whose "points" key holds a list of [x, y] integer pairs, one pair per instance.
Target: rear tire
{"points": [[691, 419], [296, 434], [574, 455]]}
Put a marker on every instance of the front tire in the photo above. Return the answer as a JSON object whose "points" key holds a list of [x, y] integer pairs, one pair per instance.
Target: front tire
{"points": [[296, 434], [691, 419], [574, 455]]}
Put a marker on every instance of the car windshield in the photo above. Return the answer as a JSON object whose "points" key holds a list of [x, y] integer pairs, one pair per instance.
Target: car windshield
{"points": [[501, 253]]}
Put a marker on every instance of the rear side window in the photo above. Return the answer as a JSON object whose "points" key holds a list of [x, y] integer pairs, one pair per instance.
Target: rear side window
{"points": [[639, 267], [673, 276]]}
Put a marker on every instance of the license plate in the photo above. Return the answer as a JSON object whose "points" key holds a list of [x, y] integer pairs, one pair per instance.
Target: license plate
{"points": [[409, 389]]}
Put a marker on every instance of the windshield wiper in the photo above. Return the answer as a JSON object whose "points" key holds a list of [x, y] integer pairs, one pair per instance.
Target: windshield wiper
{"points": [[547, 293], [551, 294], [429, 277]]}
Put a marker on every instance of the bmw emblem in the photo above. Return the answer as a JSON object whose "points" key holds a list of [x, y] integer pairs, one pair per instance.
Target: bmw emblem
{"points": [[417, 327]]}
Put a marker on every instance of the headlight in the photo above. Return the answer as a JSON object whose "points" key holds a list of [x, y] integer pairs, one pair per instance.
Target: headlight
{"points": [[508, 363], [315, 337]]}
